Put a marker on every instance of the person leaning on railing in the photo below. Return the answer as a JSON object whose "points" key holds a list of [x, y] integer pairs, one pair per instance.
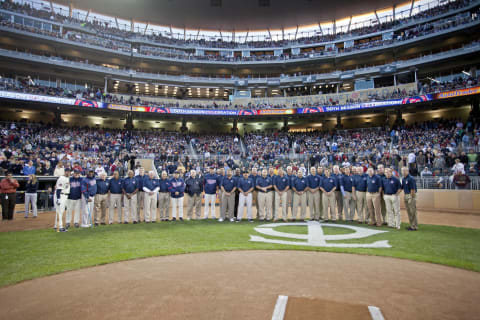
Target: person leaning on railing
{"points": [[8, 189]]}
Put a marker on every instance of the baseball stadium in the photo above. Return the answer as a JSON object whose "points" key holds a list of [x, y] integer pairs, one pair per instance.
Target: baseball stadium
{"points": [[227, 159]]}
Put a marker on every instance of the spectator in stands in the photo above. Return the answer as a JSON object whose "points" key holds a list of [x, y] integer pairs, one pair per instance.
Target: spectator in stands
{"points": [[461, 180], [426, 172]]}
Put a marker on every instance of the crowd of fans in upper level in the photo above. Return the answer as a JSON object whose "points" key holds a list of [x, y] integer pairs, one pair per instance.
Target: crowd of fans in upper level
{"points": [[108, 30], [28, 86], [115, 39]]}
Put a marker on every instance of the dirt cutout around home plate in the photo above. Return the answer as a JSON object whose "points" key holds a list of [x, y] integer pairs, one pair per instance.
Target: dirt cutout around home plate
{"points": [[308, 308], [245, 285]]}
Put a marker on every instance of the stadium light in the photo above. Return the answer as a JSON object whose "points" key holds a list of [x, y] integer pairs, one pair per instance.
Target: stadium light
{"points": [[467, 73]]}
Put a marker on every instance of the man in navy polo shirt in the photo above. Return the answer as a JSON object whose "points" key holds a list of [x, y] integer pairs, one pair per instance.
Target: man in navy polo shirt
{"points": [[254, 175], [140, 194], [129, 191], [245, 186], [391, 190], [228, 187], [328, 185], [263, 185], [299, 187], [164, 197], [115, 188], [281, 184], [74, 200], [194, 189], [313, 194], [374, 187], [210, 187], [338, 193], [359, 190], [89, 189], [409, 186], [383, 208], [101, 199], [346, 187], [220, 177], [290, 177], [150, 188], [177, 189]]}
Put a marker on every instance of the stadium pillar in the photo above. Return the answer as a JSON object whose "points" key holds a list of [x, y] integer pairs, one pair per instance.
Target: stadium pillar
{"points": [[129, 124], [106, 85], [184, 128], [399, 120], [57, 121], [339, 121], [285, 125], [235, 126]]}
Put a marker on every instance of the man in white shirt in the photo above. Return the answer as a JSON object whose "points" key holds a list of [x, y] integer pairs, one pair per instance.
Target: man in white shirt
{"points": [[62, 189]]}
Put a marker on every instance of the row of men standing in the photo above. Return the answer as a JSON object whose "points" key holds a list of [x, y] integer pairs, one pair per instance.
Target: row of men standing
{"points": [[272, 195]]}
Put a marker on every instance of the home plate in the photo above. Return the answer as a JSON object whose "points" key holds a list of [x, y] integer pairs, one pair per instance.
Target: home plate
{"points": [[294, 308]]}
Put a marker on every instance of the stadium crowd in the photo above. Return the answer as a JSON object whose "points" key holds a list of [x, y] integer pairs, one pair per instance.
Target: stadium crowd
{"points": [[430, 149], [108, 30]]}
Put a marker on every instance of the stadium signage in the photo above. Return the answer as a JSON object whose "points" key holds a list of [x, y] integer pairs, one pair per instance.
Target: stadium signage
{"points": [[457, 93], [316, 237], [35, 97]]}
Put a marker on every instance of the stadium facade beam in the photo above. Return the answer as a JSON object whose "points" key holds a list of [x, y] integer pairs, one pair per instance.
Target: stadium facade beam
{"points": [[70, 10], [88, 13], [393, 10], [411, 8], [334, 27], [51, 7], [296, 32], [116, 22], [146, 26], [349, 24], [376, 16]]}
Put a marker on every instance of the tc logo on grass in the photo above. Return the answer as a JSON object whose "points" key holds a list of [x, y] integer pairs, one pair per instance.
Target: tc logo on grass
{"points": [[316, 237]]}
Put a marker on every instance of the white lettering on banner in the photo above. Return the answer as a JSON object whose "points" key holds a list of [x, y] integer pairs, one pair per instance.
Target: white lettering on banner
{"points": [[316, 237], [34, 97]]}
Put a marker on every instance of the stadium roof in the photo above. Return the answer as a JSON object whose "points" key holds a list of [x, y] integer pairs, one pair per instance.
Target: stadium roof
{"points": [[238, 15]]}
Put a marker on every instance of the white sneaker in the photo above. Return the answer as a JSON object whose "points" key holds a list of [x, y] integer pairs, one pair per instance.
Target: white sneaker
{"points": [[231, 220], [220, 220], [188, 219]]}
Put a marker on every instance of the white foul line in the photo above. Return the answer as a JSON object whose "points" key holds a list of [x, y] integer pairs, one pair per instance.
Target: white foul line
{"points": [[375, 313], [280, 307]]}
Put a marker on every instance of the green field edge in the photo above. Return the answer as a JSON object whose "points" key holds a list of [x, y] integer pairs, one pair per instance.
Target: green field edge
{"points": [[270, 247]]}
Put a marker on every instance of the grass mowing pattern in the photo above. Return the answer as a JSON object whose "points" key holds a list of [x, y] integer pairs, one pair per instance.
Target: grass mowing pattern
{"points": [[31, 254]]}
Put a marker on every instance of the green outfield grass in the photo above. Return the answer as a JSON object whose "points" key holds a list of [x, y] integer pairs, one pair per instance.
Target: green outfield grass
{"points": [[31, 254]]}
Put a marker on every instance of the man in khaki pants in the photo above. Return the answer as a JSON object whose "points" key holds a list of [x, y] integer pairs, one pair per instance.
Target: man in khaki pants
{"points": [[228, 187], [194, 189], [140, 194], [374, 188], [130, 189], [101, 199], [281, 184], [346, 187], [359, 194], [291, 177], [254, 176], [328, 185], [313, 193], [263, 185], [150, 187], [338, 193], [409, 186], [115, 188], [163, 197], [392, 187], [383, 208], [300, 187]]}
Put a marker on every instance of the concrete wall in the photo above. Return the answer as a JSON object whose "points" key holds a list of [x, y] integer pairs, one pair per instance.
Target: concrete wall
{"points": [[461, 200]]}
